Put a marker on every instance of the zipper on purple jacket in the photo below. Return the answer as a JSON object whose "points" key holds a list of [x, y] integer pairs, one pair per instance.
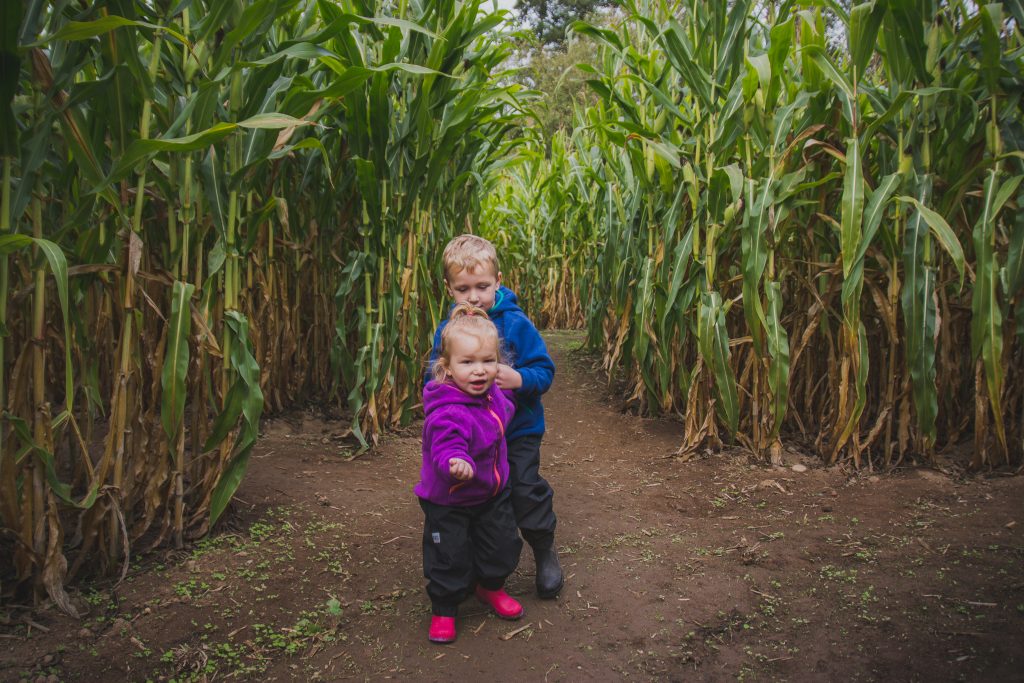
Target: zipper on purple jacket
{"points": [[497, 446]]}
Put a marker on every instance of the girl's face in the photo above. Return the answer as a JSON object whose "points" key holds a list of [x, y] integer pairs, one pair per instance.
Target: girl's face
{"points": [[478, 286], [472, 363]]}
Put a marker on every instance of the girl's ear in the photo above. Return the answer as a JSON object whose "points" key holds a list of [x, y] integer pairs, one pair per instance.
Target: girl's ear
{"points": [[441, 371]]}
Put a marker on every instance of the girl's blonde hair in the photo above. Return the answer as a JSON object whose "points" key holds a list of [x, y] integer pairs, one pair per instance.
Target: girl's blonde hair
{"points": [[464, 319]]}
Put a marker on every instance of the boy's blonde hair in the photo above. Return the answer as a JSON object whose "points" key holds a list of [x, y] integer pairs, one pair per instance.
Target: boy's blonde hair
{"points": [[469, 320], [469, 252]]}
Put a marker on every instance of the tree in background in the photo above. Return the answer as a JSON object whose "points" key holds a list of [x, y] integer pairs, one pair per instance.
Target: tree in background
{"points": [[548, 59], [554, 73], [551, 18]]}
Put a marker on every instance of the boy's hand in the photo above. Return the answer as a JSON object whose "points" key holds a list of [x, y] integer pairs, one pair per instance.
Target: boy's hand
{"points": [[460, 469], [508, 378]]}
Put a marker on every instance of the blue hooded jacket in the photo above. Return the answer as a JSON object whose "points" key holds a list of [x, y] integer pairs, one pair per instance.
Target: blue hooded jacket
{"points": [[525, 351]]}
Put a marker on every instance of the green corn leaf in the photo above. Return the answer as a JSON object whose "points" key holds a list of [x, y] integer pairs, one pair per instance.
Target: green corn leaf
{"points": [[778, 52], [303, 50], [778, 349], [83, 30], [643, 310], [908, 32], [1015, 254], [211, 171], [245, 399], [12, 242], [680, 52], [713, 340], [919, 313], [986, 307], [730, 45], [59, 488], [760, 65], [852, 217], [865, 20], [176, 360], [820, 57], [754, 257], [991, 19], [812, 32], [272, 121], [145, 149], [873, 214], [943, 233], [408, 26], [903, 97], [256, 16]]}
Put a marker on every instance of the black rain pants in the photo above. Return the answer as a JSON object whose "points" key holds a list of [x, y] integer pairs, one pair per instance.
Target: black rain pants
{"points": [[465, 546], [532, 496]]}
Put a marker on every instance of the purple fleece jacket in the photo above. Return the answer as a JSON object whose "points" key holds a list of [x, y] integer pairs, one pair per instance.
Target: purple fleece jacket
{"points": [[458, 425]]}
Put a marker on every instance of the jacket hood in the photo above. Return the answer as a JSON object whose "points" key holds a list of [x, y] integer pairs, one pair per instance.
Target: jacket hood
{"points": [[505, 301], [439, 394]]}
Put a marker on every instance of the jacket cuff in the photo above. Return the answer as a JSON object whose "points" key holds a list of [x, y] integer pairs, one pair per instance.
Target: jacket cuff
{"points": [[529, 386]]}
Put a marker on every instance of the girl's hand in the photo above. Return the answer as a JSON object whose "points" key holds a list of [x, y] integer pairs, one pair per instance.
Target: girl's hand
{"points": [[460, 469], [508, 377]]}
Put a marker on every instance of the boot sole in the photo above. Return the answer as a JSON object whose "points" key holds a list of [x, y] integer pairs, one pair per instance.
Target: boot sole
{"points": [[441, 641]]}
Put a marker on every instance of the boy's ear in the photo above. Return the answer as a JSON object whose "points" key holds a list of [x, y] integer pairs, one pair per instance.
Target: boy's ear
{"points": [[497, 282]]}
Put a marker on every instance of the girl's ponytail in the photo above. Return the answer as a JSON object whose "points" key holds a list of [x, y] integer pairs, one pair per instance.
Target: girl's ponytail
{"points": [[464, 309]]}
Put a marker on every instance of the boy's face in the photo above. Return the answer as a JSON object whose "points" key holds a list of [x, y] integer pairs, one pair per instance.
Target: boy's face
{"points": [[472, 364], [476, 286]]}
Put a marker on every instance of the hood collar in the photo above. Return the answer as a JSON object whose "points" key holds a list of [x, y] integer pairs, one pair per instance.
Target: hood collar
{"points": [[437, 394]]}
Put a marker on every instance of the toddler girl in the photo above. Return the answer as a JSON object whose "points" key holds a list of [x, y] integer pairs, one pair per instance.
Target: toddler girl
{"points": [[469, 532]]}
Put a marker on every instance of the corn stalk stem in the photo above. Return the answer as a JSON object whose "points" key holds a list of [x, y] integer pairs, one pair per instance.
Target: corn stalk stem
{"points": [[39, 412], [144, 123], [127, 345], [5, 227]]}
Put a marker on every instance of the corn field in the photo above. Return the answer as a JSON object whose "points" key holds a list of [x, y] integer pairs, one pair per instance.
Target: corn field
{"points": [[787, 223], [212, 209], [786, 233]]}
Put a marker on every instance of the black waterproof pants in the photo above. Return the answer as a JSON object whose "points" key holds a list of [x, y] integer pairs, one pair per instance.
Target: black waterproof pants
{"points": [[532, 497], [463, 546]]}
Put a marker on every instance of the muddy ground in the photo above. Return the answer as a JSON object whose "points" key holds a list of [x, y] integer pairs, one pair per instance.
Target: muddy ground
{"points": [[715, 569]]}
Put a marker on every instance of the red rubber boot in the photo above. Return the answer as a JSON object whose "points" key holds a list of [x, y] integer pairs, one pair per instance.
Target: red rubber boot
{"points": [[442, 629], [503, 604]]}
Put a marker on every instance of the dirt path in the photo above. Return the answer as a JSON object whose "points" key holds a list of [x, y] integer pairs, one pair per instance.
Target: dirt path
{"points": [[713, 569]]}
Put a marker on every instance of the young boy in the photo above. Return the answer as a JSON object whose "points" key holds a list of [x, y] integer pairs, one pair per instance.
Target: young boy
{"points": [[471, 276]]}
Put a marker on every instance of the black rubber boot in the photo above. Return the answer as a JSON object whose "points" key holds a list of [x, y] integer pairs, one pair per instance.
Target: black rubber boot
{"points": [[549, 573]]}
